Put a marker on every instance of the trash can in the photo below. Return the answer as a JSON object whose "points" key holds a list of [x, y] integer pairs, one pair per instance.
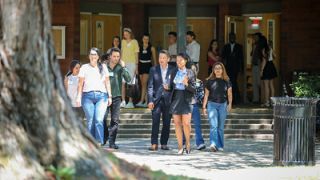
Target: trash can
{"points": [[294, 131]]}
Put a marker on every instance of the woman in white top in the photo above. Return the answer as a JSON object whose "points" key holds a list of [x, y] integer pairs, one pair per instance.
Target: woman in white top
{"points": [[71, 82], [94, 92]]}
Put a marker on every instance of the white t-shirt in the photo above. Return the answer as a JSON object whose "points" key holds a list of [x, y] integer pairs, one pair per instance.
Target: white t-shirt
{"points": [[172, 49], [193, 50], [270, 55], [73, 82], [93, 80]]}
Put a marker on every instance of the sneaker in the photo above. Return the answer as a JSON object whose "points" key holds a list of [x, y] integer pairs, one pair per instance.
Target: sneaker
{"points": [[201, 146], [123, 104], [139, 104], [220, 149], [144, 105], [213, 148], [113, 146], [129, 105]]}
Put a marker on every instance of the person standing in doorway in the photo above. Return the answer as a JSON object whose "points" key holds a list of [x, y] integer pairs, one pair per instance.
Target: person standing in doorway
{"points": [[232, 55], [193, 48], [217, 102], [256, 59], [130, 54], [159, 96], [147, 57], [94, 93], [183, 93], [117, 72], [213, 55], [172, 39], [268, 71]]}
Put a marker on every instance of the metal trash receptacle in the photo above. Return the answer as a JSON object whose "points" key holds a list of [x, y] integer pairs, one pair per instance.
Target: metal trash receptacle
{"points": [[294, 131]]}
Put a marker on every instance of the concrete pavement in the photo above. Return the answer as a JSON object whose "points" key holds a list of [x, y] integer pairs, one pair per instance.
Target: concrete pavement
{"points": [[241, 159]]}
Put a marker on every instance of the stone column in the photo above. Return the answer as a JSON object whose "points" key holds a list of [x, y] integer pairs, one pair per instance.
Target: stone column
{"points": [[181, 25]]}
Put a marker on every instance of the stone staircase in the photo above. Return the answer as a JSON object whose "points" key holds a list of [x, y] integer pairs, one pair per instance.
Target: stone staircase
{"points": [[245, 122]]}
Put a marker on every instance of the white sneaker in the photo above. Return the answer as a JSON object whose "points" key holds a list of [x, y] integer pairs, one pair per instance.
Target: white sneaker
{"points": [[123, 104], [139, 104], [220, 149], [129, 105], [201, 146], [213, 148]]}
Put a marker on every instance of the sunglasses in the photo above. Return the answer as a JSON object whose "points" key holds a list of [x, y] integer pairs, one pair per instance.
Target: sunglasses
{"points": [[91, 54]]}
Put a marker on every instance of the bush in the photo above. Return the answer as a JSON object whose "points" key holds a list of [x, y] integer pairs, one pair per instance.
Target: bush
{"points": [[306, 86]]}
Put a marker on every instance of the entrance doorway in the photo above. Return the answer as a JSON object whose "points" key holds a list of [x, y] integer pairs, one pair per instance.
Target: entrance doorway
{"points": [[97, 30], [244, 27]]}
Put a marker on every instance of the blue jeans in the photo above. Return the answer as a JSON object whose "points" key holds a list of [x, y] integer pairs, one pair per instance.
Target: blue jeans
{"points": [[196, 120], [217, 113], [94, 104]]}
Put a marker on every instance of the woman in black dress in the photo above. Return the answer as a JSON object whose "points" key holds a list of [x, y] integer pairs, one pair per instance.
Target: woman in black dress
{"points": [[183, 91], [268, 71]]}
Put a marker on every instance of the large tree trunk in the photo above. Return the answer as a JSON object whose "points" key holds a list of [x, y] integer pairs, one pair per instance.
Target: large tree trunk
{"points": [[37, 125]]}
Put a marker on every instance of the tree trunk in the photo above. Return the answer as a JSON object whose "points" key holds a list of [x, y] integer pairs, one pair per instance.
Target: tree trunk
{"points": [[37, 125]]}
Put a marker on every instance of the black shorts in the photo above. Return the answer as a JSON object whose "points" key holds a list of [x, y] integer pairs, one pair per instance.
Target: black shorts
{"points": [[144, 68]]}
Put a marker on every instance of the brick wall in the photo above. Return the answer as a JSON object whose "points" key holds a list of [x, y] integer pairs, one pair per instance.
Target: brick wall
{"points": [[67, 13], [300, 37], [133, 16]]}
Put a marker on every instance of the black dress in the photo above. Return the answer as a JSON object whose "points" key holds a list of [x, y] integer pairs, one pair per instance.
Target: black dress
{"points": [[269, 71], [181, 99]]}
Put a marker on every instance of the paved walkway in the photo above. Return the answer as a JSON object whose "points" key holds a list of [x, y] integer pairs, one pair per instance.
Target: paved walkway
{"points": [[241, 159]]}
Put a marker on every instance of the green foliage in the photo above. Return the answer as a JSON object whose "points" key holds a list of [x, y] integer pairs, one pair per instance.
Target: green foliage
{"points": [[64, 173], [306, 86]]}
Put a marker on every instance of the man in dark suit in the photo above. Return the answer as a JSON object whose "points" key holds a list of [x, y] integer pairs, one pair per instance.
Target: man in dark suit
{"points": [[159, 97], [232, 55]]}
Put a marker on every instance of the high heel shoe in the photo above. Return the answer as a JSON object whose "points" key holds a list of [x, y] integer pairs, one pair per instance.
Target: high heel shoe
{"points": [[180, 152], [188, 151]]}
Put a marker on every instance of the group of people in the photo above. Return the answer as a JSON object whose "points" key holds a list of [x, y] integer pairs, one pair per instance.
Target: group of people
{"points": [[169, 88]]}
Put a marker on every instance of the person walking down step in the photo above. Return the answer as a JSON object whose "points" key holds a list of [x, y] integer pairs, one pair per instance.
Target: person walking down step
{"points": [[94, 93], [159, 96], [217, 102], [183, 93], [197, 102], [117, 72]]}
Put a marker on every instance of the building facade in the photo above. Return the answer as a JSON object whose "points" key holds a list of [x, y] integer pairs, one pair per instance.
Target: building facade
{"points": [[292, 26]]}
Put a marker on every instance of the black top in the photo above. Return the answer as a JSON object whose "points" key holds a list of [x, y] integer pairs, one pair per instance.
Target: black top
{"points": [[218, 89], [145, 54]]}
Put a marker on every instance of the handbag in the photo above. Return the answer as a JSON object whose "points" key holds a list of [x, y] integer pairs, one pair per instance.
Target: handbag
{"points": [[132, 88]]}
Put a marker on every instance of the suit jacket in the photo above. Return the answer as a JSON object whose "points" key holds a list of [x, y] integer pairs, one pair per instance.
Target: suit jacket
{"points": [[155, 85], [190, 90], [233, 60]]}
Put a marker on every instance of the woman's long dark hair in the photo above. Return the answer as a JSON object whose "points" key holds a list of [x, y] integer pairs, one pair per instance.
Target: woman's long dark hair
{"points": [[116, 37], [71, 67], [99, 61], [210, 45], [263, 42]]}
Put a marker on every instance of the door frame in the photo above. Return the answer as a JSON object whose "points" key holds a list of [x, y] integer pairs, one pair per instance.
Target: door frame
{"points": [[102, 14]]}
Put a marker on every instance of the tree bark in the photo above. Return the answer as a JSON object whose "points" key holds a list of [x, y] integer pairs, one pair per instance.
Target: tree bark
{"points": [[37, 125]]}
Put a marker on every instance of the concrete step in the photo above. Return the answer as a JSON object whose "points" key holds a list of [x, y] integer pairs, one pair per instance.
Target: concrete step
{"points": [[204, 131], [242, 110], [129, 116], [148, 126], [205, 136], [203, 121]]}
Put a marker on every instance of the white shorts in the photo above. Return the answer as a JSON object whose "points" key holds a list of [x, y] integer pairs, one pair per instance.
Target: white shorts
{"points": [[131, 69]]}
